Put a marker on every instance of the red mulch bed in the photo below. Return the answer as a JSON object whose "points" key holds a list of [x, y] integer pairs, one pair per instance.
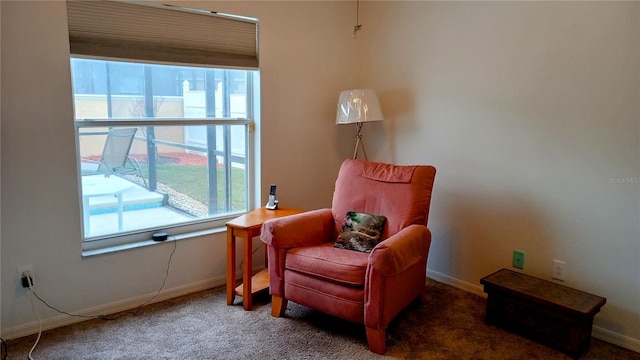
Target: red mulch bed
{"points": [[177, 158]]}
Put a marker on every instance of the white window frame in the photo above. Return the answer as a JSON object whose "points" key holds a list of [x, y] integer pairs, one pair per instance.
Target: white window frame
{"points": [[92, 30]]}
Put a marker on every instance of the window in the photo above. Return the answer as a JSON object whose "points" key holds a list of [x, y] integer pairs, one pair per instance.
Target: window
{"points": [[160, 147]]}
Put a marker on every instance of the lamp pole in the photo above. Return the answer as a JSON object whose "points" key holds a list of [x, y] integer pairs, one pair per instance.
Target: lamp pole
{"points": [[359, 142]]}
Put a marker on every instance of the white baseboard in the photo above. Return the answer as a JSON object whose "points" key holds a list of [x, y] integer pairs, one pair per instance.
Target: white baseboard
{"points": [[597, 332], [615, 338], [118, 306], [462, 285], [131, 303]]}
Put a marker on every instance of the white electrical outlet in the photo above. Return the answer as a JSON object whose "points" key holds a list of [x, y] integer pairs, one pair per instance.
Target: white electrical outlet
{"points": [[558, 270], [23, 268]]}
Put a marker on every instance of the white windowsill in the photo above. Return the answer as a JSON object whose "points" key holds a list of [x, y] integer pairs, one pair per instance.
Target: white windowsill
{"points": [[139, 244]]}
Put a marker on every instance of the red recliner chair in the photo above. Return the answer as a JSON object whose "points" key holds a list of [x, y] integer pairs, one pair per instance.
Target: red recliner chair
{"points": [[311, 258]]}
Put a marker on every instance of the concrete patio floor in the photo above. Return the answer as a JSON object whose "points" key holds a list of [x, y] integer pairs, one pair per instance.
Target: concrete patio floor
{"points": [[143, 209]]}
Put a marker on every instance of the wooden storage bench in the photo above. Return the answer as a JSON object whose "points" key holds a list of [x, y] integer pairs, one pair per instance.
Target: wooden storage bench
{"points": [[549, 313]]}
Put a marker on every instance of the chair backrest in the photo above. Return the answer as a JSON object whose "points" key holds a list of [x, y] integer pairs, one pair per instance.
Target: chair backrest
{"points": [[117, 147], [400, 193]]}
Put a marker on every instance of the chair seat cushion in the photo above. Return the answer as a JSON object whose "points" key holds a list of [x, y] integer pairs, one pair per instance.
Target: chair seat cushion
{"points": [[329, 263]]}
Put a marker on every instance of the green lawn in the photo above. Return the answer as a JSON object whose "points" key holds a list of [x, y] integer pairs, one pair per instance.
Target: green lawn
{"points": [[192, 180]]}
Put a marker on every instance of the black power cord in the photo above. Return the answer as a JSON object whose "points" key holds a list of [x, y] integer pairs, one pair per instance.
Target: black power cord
{"points": [[5, 350], [164, 282], [253, 252], [131, 312]]}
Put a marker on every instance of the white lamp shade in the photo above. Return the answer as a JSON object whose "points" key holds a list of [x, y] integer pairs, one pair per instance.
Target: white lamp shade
{"points": [[358, 105]]}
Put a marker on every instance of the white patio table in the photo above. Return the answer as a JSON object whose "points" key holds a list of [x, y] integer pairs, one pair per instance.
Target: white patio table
{"points": [[100, 185]]}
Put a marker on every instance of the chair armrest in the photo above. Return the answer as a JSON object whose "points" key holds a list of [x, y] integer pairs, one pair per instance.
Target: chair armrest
{"points": [[304, 229], [396, 274], [401, 251], [95, 167], [133, 161]]}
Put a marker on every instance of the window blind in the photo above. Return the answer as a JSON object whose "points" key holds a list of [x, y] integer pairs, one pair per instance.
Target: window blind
{"points": [[161, 34]]}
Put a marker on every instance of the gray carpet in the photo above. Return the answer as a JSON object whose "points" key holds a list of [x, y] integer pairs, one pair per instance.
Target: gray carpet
{"points": [[449, 325]]}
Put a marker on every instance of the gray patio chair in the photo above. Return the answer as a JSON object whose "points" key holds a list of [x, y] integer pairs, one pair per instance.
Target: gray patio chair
{"points": [[115, 159]]}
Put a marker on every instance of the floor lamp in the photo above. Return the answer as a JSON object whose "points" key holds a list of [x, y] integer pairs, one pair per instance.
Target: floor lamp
{"points": [[357, 107]]}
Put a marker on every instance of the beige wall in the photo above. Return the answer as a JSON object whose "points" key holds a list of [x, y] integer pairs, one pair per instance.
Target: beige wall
{"points": [[126, 106], [95, 107], [307, 57], [527, 110], [530, 112]]}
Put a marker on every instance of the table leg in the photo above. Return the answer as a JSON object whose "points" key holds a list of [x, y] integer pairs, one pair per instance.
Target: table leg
{"points": [[85, 212], [120, 210], [247, 272], [231, 265]]}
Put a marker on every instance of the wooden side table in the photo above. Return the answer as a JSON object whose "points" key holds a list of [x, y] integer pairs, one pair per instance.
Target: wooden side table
{"points": [[247, 227]]}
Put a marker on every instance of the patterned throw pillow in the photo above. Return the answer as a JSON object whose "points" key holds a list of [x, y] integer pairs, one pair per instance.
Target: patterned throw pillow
{"points": [[360, 232]]}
